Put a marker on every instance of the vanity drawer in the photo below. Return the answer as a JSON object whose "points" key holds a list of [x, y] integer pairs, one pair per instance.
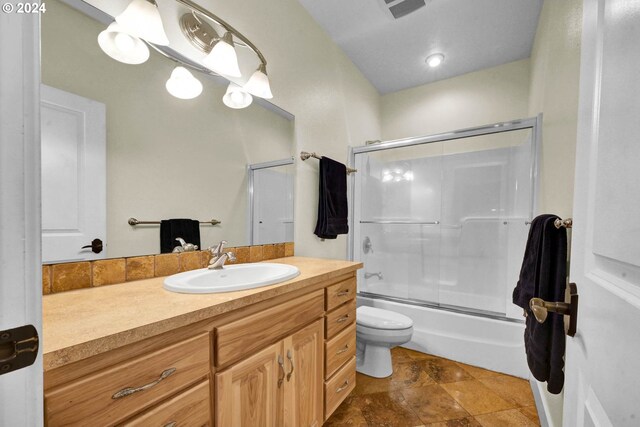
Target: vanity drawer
{"points": [[110, 396], [340, 318], [339, 387], [340, 293], [339, 350], [191, 408], [236, 340]]}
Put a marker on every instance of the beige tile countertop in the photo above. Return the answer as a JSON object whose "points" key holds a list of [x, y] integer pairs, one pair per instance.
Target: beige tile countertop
{"points": [[83, 323]]}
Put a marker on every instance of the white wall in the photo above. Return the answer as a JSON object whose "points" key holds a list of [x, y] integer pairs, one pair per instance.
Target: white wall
{"points": [[496, 94], [334, 105], [555, 74]]}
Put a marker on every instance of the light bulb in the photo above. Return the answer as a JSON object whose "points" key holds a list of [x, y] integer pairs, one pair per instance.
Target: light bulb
{"points": [[236, 97], [142, 19], [122, 46], [182, 84], [435, 60], [258, 83], [223, 58]]}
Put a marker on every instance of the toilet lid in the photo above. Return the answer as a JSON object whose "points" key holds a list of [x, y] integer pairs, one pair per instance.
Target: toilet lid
{"points": [[378, 318]]}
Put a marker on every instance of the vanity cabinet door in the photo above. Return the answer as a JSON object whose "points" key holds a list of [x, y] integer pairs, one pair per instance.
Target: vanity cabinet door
{"points": [[250, 393], [304, 354]]}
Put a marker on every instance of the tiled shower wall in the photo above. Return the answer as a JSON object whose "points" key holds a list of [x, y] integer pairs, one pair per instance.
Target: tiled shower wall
{"points": [[87, 274]]}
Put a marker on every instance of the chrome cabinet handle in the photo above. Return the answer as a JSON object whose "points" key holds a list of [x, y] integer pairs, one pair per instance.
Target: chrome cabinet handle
{"points": [[343, 293], [343, 350], [131, 390], [171, 424], [281, 363], [343, 386], [290, 357], [342, 319]]}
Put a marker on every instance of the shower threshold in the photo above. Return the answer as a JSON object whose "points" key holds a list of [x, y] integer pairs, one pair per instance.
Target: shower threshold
{"points": [[446, 307]]}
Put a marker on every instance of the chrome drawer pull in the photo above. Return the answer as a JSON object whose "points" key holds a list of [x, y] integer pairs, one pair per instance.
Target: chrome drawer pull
{"points": [[171, 424], [343, 350], [131, 390], [343, 293], [342, 319], [343, 386], [281, 363], [290, 357]]}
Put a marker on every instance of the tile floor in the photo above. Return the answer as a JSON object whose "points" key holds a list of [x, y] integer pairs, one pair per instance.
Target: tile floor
{"points": [[426, 390]]}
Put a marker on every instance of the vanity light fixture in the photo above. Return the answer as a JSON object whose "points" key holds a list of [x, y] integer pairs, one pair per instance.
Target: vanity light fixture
{"points": [[182, 84], [258, 83], [435, 60], [236, 97], [122, 46], [142, 19], [124, 41]]}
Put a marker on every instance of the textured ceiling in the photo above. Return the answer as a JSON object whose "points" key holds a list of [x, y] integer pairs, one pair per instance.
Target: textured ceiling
{"points": [[472, 34]]}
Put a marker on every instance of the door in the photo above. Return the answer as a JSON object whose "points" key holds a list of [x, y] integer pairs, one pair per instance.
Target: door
{"points": [[602, 364], [304, 386], [20, 278], [249, 393], [74, 205]]}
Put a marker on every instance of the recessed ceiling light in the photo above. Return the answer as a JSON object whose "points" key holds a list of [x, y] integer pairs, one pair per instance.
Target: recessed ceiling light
{"points": [[435, 60]]}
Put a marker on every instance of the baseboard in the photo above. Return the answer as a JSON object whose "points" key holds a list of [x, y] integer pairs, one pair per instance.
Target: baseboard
{"points": [[549, 405]]}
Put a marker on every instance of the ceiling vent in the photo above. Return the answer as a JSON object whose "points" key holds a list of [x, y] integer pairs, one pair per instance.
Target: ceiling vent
{"points": [[400, 8]]}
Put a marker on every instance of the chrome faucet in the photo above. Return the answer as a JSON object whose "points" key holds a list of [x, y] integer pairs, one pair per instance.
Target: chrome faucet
{"points": [[184, 246], [378, 274], [220, 257]]}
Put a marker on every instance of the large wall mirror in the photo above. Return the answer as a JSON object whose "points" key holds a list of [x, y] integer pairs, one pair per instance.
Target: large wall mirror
{"points": [[117, 145]]}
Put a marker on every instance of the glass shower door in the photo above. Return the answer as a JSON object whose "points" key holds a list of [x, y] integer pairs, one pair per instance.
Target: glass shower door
{"points": [[397, 211], [486, 205]]}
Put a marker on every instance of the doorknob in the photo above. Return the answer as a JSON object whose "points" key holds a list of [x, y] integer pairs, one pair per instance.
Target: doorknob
{"points": [[541, 309], [18, 348], [95, 246]]}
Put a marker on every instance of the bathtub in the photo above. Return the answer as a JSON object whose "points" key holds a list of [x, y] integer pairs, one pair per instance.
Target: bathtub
{"points": [[489, 343]]}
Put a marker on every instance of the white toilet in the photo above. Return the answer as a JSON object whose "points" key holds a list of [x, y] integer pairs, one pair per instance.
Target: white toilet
{"points": [[377, 332]]}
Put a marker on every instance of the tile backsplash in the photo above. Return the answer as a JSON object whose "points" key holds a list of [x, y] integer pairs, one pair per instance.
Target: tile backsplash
{"points": [[87, 274]]}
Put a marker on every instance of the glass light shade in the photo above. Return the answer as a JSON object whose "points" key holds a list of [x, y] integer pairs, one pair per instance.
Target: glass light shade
{"points": [[142, 19], [122, 46], [236, 97], [258, 84], [223, 58], [182, 84], [435, 60]]}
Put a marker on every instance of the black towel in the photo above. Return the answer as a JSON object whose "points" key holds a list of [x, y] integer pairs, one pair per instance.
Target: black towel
{"points": [[544, 275], [170, 229], [332, 200]]}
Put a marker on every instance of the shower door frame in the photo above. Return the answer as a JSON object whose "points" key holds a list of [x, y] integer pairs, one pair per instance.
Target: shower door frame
{"points": [[533, 123]]}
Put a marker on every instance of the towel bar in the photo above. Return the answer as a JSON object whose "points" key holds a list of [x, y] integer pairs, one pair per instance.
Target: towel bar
{"points": [[133, 222], [306, 155], [569, 308]]}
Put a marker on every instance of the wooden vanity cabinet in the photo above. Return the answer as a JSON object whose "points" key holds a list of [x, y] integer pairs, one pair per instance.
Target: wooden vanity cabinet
{"points": [[284, 362], [279, 386]]}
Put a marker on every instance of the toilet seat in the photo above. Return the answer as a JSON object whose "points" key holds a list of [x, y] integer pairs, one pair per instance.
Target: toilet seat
{"points": [[376, 318]]}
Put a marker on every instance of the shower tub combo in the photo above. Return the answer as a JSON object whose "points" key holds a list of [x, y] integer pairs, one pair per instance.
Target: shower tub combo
{"points": [[440, 223]]}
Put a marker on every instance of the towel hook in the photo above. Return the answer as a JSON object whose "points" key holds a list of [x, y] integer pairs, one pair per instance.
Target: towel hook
{"points": [[569, 308]]}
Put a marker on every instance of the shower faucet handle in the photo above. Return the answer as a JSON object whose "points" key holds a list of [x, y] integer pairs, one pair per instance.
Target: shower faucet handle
{"points": [[366, 245]]}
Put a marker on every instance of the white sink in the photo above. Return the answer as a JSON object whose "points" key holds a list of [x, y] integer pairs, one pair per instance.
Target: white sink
{"points": [[230, 278]]}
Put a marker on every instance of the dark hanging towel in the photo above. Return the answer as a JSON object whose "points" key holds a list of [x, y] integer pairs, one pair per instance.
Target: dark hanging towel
{"points": [[332, 200], [544, 275], [170, 229]]}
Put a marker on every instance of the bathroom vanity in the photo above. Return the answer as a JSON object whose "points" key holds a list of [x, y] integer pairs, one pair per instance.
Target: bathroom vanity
{"points": [[138, 355]]}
